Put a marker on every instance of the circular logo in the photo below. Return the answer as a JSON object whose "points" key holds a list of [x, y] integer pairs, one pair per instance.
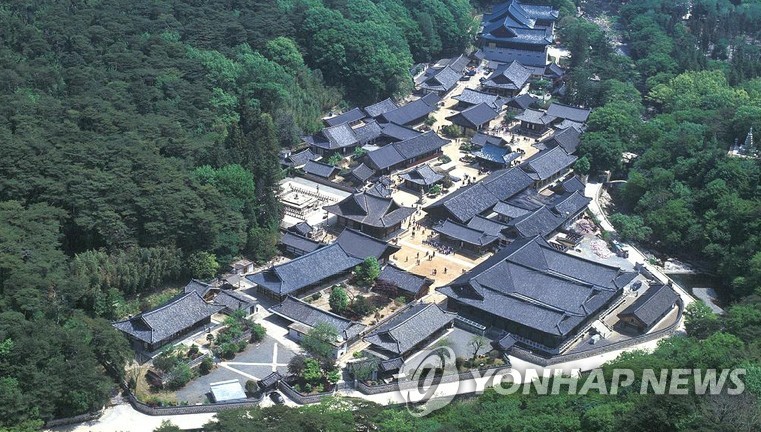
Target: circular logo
{"points": [[425, 381]]}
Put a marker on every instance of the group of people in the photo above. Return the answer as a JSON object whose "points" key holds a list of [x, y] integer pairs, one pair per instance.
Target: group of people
{"points": [[444, 249]]}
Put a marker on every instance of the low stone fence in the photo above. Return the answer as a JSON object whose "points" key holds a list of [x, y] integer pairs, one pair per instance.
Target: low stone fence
{"points": [[189, 409], [300, 398], [405, 384]]}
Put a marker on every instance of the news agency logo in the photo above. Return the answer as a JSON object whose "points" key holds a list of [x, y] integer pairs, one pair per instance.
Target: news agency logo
{"points": [[430, 381], [421, 379]]}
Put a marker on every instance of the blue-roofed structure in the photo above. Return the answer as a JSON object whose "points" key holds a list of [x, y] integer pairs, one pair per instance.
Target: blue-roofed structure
{"points": [[495, 157]]}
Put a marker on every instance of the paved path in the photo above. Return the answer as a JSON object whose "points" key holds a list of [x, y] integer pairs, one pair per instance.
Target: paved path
{"points": [[593, 190]]}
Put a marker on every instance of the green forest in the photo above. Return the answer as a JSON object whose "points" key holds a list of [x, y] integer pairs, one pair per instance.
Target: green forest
{"points": [[140, 143]]}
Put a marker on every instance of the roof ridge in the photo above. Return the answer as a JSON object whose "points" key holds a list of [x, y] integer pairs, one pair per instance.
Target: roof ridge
{"points": [[321, 310], [167, 304], [427, 305]]}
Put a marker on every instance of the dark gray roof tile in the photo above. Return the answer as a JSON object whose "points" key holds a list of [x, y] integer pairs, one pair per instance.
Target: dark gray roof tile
{"points": [[548, 163], [350, 116], [402, 279], [320, 169], [381, 107], [299, 242], [177, 315], [536, 286], [652, 305], [474, 117], [423, 175], [371, 210], [409, 328], [567, 112], [298, 311]]}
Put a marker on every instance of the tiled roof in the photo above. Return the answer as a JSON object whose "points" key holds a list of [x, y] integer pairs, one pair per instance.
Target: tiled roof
{"points": [[554, 71], [351, 116], [481, 139], [506, 342], [569, 139], [178, 314], [458, 64], [299, 242], [320, 169], [402, 279], [234, 300], [370, 131], [305, 270], [380, 190], [474, 117], [298, 311], [361, 245], [573, 184], [423, 175], [391, 364], [522, 101], [652, 305], [514, 21], [512, 76], [471, 200], [472, 97], [270, 380], [398, 133], [568, 124], [442, 81], [409, 328], [464, 233], [548, 163], [535, 117], [398, 152], [198, 286], [570, 203], [301, 158], [496, 154], [362, 172], [487, 226], [334, 137], [371, 210], [566, 112], [381, 107], [413, 111], [538, 222], [536, 286], [302, 228]]}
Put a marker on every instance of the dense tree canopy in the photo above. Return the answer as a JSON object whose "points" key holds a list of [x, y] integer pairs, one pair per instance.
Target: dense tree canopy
{"points": [[140, 144]]}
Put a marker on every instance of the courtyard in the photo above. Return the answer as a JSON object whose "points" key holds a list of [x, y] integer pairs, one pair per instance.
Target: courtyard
{"points": [[255, 362]]}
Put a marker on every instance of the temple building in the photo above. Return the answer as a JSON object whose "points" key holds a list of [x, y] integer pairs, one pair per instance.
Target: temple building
{"points": [[518, 31]]}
